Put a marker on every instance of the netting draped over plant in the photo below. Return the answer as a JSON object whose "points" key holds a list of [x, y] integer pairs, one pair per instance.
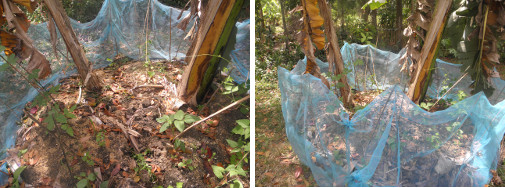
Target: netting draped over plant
{"points": [[119, 28], [392, 141]]}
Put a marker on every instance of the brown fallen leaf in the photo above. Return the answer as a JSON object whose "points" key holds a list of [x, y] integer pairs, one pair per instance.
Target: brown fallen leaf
{"points": [[116, 169], [136, 179], [286, 161], [269, 174], [106, 112], [298, 171], [46, 181], [33, 161], [91, 102]]}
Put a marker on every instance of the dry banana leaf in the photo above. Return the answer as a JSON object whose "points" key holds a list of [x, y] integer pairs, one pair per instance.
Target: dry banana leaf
{"points": [[18, 23]]}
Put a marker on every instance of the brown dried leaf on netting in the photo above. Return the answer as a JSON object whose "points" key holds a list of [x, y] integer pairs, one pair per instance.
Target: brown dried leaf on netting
{"points": [[39, 61], [422, 22], [29, 4], [24, 47], [193, 12], [313, 21], [296, 9], [421, 18], [306, 43], [191, 32], [9, 41]]}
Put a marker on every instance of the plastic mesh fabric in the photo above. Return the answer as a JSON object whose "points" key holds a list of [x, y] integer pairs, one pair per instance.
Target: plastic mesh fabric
{"points": [[391, 142], [117, 29]]}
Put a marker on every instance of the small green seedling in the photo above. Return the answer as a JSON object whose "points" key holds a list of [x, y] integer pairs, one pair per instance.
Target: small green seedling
{"points": [[87, 158], [85, 180], [186, 163], [179, 145], [179, 120]]}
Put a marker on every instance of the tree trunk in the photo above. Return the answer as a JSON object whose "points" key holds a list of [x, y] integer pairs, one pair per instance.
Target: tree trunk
{"points": [[261, 18], [366, 14], [73, 46], [213, 34], [421, 78], [284, 24], [374, 18], [342, 16], [399, 25], [333, 53]]}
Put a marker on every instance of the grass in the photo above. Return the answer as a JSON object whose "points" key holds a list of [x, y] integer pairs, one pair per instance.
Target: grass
{"points": [[276, 162]]}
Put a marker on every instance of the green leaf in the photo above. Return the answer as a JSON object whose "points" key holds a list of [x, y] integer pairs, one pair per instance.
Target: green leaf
{"points": [[50, 122], [104, 184], [60, 118], [179, 184], [54, 89], [179, 115], [164, 127], [4, 66], [82, 183], [68, 114], [18, 172], [181, 165], [247, 147], [163, 119], [34, 74], [191, 118], [218, 171], [12, 58], [68, 129], [2, 48], [91, 177], [71, 109], [235, 170], [22, 152], [234, 89], [179, 125], [243, 123], [238, 130], [236, 184], [374, 4], [232, 143]]}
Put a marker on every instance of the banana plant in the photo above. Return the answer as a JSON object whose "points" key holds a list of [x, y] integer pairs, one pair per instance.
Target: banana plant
{"points": [[424, 31], [475, 30], [315, 14]]}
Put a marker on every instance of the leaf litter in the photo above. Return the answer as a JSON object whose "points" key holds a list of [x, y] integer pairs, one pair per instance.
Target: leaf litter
{"points": [[117, 137]]}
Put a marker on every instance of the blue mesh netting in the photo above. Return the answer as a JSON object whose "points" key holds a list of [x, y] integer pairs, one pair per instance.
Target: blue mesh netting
{"points": [[392, 141], [117, 29]]}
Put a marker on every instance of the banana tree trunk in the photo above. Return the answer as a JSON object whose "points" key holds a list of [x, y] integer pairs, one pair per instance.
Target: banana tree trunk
{"points": [[74, 47], [421, 78], [213, 33], [333, 54]]}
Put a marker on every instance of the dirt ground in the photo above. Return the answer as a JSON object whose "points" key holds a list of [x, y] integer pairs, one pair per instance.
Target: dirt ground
{"points": [[141, 156]]}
